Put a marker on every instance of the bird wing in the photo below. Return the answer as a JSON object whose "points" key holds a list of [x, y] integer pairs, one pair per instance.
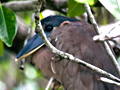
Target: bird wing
{"points": [[76, 38]]}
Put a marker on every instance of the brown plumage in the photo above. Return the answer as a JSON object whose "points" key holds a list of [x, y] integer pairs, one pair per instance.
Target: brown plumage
{"points": [[75, 38]]}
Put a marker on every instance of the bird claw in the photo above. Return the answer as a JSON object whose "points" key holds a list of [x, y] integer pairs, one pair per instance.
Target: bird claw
{"points": [[59, 58]]}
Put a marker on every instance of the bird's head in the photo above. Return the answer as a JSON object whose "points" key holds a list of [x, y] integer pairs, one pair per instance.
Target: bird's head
{"points": [[35, 43]]}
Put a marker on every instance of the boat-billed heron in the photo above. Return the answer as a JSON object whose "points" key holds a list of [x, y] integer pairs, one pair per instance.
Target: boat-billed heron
{"points": [[74, 37]]}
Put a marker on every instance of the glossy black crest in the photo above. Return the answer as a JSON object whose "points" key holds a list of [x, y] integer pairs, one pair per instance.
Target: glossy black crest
{"points": [[56, 20]]}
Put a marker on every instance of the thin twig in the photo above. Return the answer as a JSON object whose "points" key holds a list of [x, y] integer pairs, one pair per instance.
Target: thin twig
{"points": [[115, 25], [27, 38], [87, 8], [66, 55], [71, 57], [104, 37], [108, 36], [30, 29], [49, 83], [106, 80], [37, 19]]}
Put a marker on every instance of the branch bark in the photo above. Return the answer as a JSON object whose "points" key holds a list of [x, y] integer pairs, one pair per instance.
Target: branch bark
{"points": [[109, 35], [26, 40], [66, 55], [87, 8], [106, 80], [21, 5], [57, 5], [71, 57], [104, 37], [49, 83]]}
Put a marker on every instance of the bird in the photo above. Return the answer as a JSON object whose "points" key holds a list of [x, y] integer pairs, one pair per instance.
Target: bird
{"points": [[74, 37]]}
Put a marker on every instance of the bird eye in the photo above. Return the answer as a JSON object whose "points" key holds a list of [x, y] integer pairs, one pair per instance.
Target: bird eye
{"points": [[48, 28]]}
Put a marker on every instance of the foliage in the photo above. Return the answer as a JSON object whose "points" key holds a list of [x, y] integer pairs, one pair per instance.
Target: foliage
{"points": [[90, 2], [113, 6], [74, 8], [1, 48], [8, 25]]}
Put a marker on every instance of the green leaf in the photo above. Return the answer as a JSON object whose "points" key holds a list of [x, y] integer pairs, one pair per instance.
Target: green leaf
{"points": [[74, 8], [113, 6], [8, 25], [1, 48], [90, 2]]}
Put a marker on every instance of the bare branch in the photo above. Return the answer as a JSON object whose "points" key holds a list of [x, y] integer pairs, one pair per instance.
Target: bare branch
{"points": [[109, 35], [21, 5], [66, 55], [57, 5], [87, 8], [71, 57], [49, 83], [115, 25], [104, 37], [26, 40], [91, 17], [29, 29], [103, 79]]}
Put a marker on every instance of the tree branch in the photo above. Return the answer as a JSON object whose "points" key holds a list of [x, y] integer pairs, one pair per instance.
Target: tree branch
{"points": [[109, 35], [106, 80], [27, 38], [49, 83], [71, 57], [20, 5], [87, 8], [57, 5], [66, 55], [104, 37]]}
